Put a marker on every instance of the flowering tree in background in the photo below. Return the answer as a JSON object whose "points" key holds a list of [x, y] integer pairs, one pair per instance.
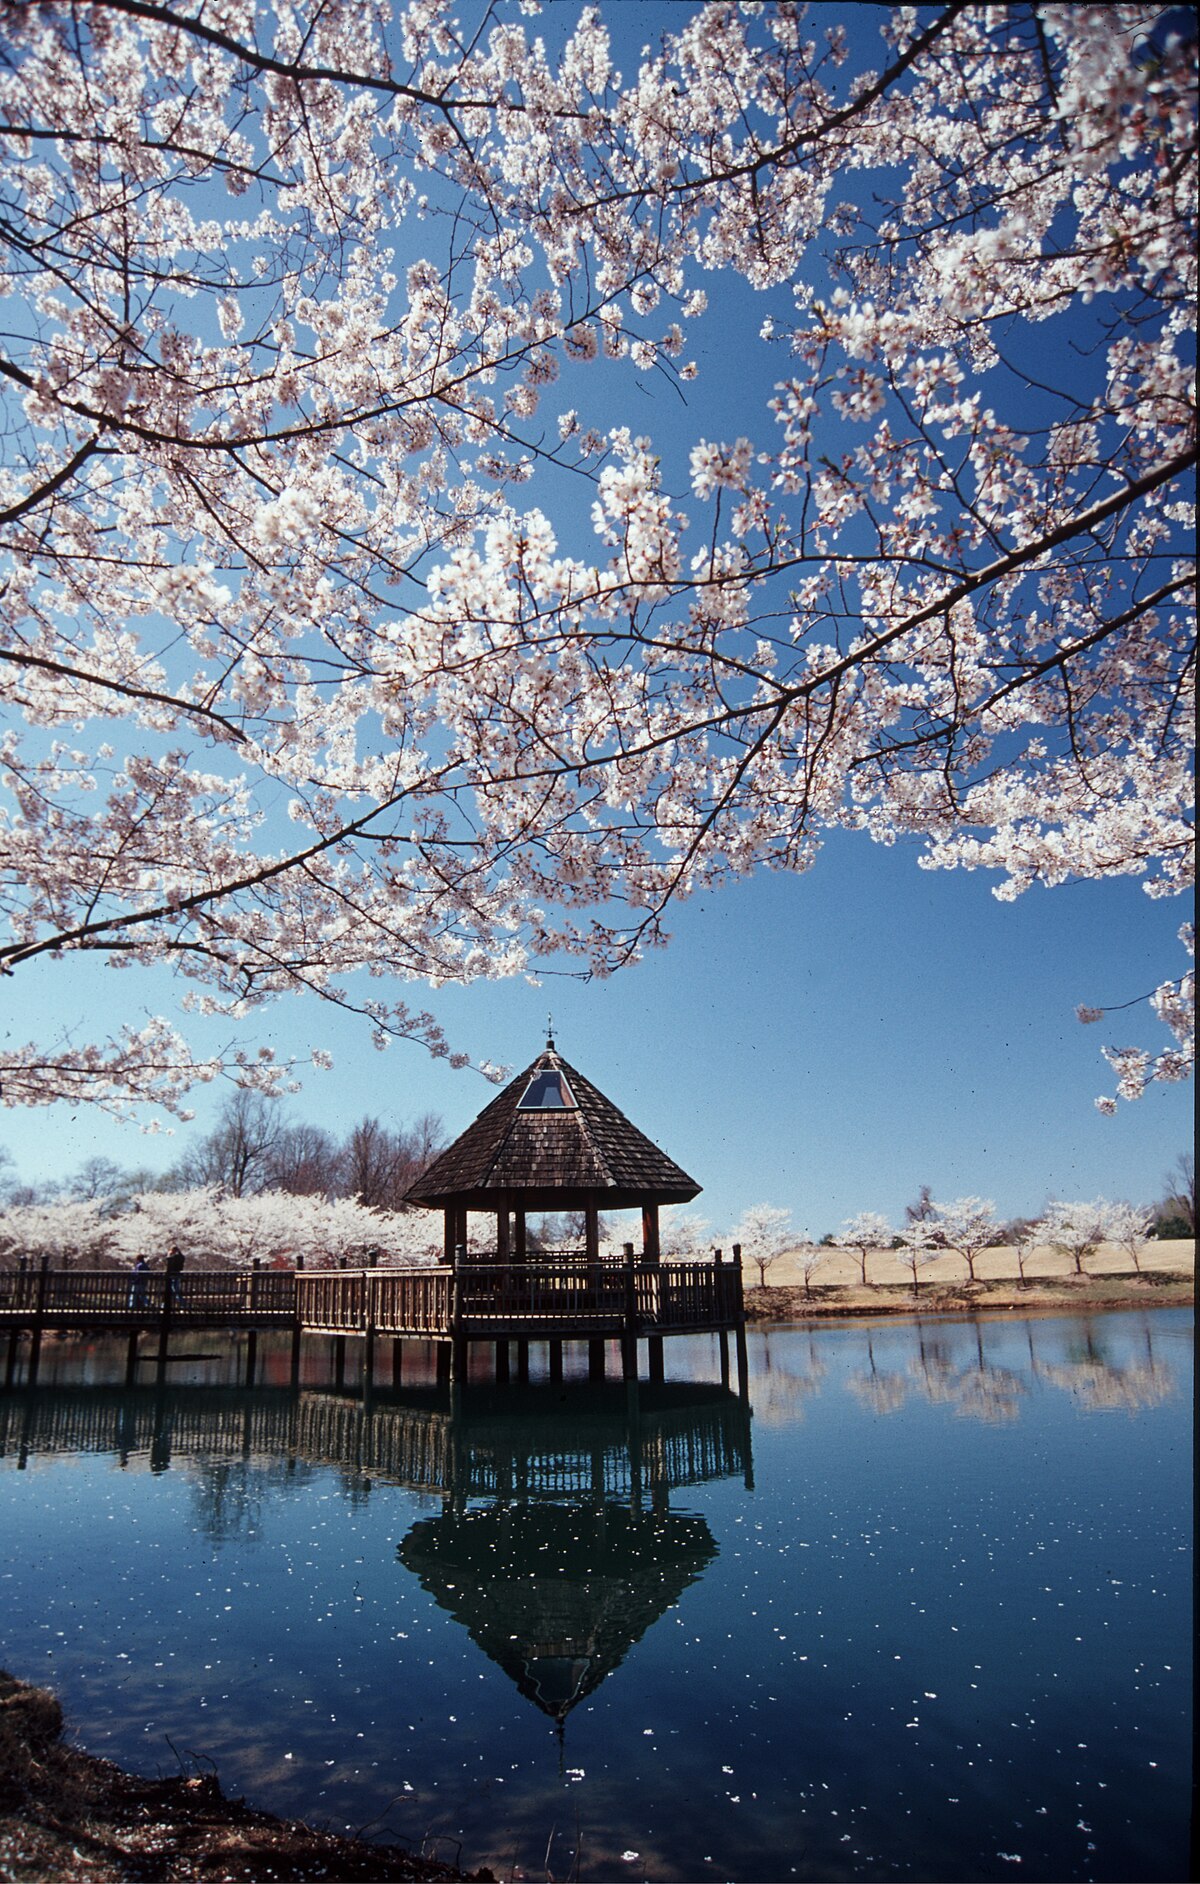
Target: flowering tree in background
{"points": [[1130, 1229], [73, 1232], [764, 1233], [1078, 1229], [966, 1226], [863, 1233], [345, 629], [682, 1234], [218, 1231], [918, 1240], [810, 1259], [1025, 1249]]}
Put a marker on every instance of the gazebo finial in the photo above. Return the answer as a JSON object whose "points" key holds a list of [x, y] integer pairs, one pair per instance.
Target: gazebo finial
{"points": [[550, 1032]]}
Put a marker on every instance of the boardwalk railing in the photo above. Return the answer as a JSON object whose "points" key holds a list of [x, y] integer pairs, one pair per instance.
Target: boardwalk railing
{"points": [[263, 1297], [477, 1298], [568, 1298], [390, 1301]]}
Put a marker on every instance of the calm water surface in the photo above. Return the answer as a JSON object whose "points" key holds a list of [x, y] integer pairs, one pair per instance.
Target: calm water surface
{"points": [[921, 1610]]}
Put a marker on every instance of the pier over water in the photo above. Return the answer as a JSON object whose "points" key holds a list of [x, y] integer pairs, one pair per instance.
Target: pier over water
{"points": [[508, 1305]]}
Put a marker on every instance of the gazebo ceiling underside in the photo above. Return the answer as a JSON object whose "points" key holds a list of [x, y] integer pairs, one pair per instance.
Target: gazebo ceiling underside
{"points": [[553, 1159]]}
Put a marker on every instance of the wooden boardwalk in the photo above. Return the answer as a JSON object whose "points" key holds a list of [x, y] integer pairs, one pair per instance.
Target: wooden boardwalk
{"points": [[453, 1305]]}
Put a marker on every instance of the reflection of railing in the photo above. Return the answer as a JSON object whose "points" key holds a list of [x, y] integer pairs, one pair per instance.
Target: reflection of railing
{"points": [[688, 1437]]}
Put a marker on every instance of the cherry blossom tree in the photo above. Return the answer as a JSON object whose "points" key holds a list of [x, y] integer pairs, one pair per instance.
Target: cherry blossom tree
{"points": [[918, 1237], [1130, 1229], [863, 1233], [218, 1230], [1025, 1249], [810, 1258], [764, 1233], [1079, 1229], [344, 634], [73, 1233], [967, 1226], [682, 1234]]}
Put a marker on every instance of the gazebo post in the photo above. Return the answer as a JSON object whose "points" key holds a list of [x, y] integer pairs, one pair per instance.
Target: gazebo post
{"points": [[629, 1339], [651, 1247], [519, 1253], [458, 1342], [652, 1254], [743, 1364], [591, 1238]]}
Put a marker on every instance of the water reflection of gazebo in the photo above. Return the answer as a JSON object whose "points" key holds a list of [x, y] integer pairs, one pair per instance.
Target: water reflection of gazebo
{"points": [[555, 1547], [557, 1554], [557, 1594]]}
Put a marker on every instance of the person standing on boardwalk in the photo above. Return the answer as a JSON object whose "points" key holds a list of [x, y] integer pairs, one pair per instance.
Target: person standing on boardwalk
{"points": [[137, 1288], [174, 1266]]}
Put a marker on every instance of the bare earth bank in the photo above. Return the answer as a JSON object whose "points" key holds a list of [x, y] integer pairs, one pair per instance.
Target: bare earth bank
{"points": [[65, 1815], [1165, 1279]]}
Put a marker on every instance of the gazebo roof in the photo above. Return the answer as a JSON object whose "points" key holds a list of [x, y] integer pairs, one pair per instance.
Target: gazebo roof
{"points": [[551, 1140]]}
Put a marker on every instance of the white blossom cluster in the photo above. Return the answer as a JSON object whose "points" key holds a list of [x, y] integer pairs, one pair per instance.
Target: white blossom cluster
{"points": [[330, 647], [966, 1226], [217, 1230]]}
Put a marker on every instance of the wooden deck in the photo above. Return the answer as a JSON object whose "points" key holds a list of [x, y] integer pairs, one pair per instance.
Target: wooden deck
{"points": [[453, 1305]]}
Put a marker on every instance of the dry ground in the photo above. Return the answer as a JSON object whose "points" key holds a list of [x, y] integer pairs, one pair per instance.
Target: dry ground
{"points": [[1110, 1280]]}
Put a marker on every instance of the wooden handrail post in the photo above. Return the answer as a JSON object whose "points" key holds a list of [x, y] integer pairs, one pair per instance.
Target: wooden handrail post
{"points": [[252, 1335], [164, 1326], [35, 1341], [743, 1365], [629, 1365], [458, 1346]]}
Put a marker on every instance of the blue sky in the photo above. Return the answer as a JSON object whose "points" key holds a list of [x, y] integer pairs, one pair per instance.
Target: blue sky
{"points": [[827, 1042]]}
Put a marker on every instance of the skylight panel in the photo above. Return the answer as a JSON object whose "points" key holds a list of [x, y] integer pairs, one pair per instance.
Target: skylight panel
{"points": [[547, 1091]]}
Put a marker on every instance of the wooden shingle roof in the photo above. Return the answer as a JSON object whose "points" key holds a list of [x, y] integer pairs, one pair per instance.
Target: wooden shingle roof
{"points": [[553, 1156]]}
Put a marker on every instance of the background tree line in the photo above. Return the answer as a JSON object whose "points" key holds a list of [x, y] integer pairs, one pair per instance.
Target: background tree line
{"points": [[255, 1148]]}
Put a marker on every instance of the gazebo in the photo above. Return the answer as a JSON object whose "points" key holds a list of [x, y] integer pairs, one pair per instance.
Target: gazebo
{"points": [[550, 1142]]}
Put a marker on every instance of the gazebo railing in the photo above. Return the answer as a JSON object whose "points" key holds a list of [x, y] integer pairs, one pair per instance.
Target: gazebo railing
{"points": [[475, 1298], [538, 1292], [480, 1297]]}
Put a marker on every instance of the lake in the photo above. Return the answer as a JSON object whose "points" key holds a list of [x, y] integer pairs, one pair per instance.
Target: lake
{"points": [[920, 1609]]}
